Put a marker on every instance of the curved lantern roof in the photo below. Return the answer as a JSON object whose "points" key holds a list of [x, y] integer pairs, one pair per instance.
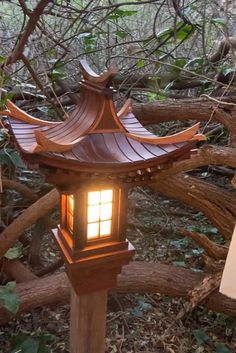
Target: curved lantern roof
{"points": [[96, 139]]}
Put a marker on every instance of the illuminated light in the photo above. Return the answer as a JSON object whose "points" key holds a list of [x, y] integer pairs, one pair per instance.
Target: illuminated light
{"points": [[94, 198], [93, 230], [70, 209], [99, 214], [93, 213], [106, 196], [105, 228], [71, 202], [105, 211], [70, 222]]}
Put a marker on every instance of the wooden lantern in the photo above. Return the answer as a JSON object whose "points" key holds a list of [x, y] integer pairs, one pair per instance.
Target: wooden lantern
{"points": [[91, 236], [93, 157]]}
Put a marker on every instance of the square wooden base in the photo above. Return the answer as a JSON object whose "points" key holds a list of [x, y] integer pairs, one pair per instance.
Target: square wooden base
{"points": [[96, 271]]}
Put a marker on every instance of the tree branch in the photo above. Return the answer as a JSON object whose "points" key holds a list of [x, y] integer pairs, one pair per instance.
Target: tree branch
{"points": [[29, 28]]}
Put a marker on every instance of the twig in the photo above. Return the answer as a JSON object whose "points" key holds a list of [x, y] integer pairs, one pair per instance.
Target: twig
{"points": [[29, 28], [212, 249]]}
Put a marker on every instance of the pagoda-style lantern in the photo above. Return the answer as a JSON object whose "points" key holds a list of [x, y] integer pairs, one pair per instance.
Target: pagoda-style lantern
{"points": [[91, 234], [93, 157]]}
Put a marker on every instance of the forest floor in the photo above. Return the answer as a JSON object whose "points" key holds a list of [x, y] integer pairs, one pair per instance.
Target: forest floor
{"points": [[139, 323]]}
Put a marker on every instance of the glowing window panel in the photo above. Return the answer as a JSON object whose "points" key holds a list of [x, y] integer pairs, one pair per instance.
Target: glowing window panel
{"points": [[105, 228], [70, 205], [106, 196], [93, 213], [93, 230], [105, 211], [94, 197], [70, 222], [99, 214], [70, 210]]}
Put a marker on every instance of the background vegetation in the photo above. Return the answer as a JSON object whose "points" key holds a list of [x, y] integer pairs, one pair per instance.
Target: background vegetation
{"points": [[176, 61]]}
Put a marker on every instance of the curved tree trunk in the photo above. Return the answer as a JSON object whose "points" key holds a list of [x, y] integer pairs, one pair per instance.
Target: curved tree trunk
{"points": [[37, 210], [199, 109], [137, 277], [217, 204], [22, 189]]}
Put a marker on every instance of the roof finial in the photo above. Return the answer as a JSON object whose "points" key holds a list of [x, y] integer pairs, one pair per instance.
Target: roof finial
{"points": [[89, 75]]}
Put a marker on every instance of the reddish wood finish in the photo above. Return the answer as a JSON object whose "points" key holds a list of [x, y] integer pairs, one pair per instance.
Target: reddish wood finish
{"points": [[88, 322], [95, 146], [95, 270], [75, 240], [94, 137]]}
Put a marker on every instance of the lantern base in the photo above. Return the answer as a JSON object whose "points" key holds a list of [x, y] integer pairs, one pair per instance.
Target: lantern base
{"points": [[101, 246], [97, 271]]}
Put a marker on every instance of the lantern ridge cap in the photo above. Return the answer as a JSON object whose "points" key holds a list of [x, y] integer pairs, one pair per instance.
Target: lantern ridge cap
{"points": [[91, 76]]}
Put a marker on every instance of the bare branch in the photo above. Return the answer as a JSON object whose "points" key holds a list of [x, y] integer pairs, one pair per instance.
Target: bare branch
{"points": [[29, 28]]}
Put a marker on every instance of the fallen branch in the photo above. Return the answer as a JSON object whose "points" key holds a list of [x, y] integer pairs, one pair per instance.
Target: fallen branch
{"points": [[212, 249], [200, 109], [52, 267], [137, 277], [217, 204], [202, 290], [207, 155], [37, 210], [22, 189], [18, 272]]}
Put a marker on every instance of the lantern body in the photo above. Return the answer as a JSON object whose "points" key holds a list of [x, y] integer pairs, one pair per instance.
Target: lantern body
{"points": [[91, 236]]}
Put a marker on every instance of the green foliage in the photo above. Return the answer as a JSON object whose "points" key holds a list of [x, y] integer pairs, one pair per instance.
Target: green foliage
{"points": [[140, 63], [14, 253], [180, 33], [24, 343], [89, 41], [200, 336], [151, 96], [2, 59], [221, 348], [8, 298], [10, 156], [179, 263], [114, 349], [121, 34], [8, 96], [184, 32], [225, 70], [142, 308], [180, 244], [165, 34], [194, 63], [55, 74], [119, 13], [56, 71], [208, 230], [219, 21], [180, 62]]}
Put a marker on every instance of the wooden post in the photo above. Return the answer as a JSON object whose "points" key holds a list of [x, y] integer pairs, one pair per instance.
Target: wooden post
{"points": [[88, 322]]}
